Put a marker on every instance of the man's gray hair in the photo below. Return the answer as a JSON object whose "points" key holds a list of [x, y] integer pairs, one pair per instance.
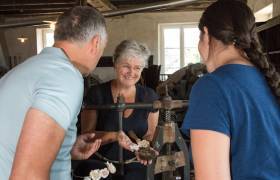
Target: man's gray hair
{"points": [[131, 48], [80, 24]]}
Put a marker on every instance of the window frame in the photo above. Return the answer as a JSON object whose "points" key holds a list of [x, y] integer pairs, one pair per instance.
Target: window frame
{"points": [[41, 38], [161, 46]]}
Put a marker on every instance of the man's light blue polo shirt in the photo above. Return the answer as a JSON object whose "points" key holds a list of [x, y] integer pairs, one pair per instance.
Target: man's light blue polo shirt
{"points": [[50, 83]]}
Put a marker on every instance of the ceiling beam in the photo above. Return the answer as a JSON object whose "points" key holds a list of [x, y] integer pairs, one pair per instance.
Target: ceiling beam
{"points": [[201, 5], [167, 5], [33, 11], [102, 5], [38, 4], [50, 9], [157, 6], [21, 24]]}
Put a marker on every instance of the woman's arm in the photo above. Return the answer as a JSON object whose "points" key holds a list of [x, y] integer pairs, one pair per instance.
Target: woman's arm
{"points": [[88, 121], [210, 151], [88, 125], [152, 124]]}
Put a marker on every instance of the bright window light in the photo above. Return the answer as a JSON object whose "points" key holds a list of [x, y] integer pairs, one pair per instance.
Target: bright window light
{"points": [[264, 14], [45, 38], [178, 46]]}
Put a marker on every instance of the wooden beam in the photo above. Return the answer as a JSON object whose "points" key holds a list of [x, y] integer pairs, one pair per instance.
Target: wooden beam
{"points": [[269, 24], [38, 4], [102, 5]]}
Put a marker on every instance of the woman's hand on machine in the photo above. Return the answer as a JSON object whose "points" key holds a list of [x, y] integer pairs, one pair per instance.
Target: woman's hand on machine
{"points": [[85, 146]]}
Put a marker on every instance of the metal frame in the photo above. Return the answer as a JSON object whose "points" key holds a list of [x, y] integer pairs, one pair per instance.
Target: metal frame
{"points": [[166, 133]]}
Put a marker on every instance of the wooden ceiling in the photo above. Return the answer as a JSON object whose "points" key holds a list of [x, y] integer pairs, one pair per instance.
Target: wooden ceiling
{"points": [[31, 8], [19, 13]]}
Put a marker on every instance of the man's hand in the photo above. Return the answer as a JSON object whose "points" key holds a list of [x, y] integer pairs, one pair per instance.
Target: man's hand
{"points": [[85, 146]]}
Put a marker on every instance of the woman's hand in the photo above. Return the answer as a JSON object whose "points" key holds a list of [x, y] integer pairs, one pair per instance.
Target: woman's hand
{"points": [[85, 146], [125, 141], [145, 162], [127, 144]]}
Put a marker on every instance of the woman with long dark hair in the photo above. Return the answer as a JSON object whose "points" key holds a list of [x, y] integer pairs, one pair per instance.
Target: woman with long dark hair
{"points": [[234, 112]]}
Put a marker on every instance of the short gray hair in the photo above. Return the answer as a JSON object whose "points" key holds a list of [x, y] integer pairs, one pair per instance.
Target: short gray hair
{"points": [[80, 24], [131, 48]]}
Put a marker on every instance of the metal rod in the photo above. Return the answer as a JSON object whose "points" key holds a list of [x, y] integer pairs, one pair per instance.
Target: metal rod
{"points": [[274, 52], [26, 9], [21, 24], [168, 146], [25, 14], [127, 106], [145, 8], [37, 4], [120, 102], [39, 20], [164, 104]]}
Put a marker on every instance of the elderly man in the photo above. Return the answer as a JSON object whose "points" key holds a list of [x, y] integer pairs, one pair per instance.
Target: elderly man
{"points": [[41, 98]]}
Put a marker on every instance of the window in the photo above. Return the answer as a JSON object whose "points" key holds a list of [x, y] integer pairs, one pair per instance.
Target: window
{"points": [[264, 14], [44, 38], [178, 46]]}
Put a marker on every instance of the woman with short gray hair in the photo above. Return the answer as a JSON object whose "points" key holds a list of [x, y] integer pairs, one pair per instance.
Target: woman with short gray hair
{"points": [[130, 48], [129, 61]]}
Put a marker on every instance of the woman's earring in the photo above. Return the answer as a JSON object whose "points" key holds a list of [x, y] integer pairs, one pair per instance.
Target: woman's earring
{"points": [[235, 41]]}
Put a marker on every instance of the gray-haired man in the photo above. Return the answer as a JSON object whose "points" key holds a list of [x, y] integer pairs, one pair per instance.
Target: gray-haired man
{"points": [[41, 98]]}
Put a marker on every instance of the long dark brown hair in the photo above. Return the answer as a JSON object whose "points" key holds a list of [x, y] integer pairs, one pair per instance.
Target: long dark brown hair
{"points": [[233, 22]]}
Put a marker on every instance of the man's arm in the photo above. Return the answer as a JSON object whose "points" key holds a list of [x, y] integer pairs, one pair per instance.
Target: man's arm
{"points": [[210, 151], [38, 145]]}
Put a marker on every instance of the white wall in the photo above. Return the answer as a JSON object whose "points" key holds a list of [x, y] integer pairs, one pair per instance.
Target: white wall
{"points": [[276, 8], [256, 5], [18, 50], [143, 27]]}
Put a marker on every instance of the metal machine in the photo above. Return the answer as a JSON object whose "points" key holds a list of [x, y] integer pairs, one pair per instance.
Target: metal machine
{"points": [[167, 134]]}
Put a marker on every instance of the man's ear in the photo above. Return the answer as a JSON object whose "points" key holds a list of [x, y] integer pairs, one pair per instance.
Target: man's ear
{"points": [[94, 44]]}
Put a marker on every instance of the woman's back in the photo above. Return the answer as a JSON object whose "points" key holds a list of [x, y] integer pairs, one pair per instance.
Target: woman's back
{"points": [[238, 103]]}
